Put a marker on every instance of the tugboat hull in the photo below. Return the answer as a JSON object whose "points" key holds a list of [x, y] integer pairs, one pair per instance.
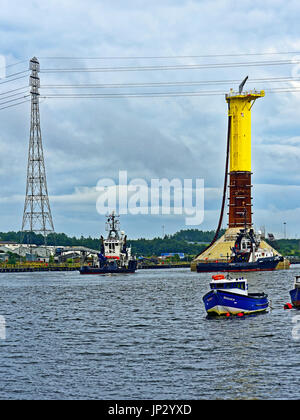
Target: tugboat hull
{"points": [[262, 264], [109, 270], [218, 302], [101, 271]]}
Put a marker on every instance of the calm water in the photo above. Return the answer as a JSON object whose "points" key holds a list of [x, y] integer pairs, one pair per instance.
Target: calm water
{"points": [[142, 336]]}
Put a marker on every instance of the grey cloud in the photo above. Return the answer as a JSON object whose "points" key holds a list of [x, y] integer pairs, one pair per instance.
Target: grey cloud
{"points": [[178, 137]]}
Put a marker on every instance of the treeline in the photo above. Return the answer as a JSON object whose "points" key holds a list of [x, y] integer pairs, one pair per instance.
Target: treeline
{"points": [[157, 246], [287, 247], [53, 239], [195, 235], [190, 241]]}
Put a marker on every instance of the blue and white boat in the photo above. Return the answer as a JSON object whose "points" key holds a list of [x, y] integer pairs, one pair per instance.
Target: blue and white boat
{"points": [[230, 297], [295, 293]]}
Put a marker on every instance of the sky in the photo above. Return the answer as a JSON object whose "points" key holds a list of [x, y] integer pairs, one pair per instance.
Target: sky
{"points": [[86, 140]]}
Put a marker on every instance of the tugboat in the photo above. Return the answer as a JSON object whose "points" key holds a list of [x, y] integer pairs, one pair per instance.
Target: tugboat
{"points": [[246, 256], [230, 297], [295, 293], [114, 256]]}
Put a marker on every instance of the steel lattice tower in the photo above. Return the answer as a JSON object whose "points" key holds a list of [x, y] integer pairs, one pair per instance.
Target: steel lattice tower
{"points": [[37, 216]]}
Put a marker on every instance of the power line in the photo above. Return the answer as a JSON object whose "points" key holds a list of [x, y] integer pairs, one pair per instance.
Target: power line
{"points": [[133, 95], [156, 94], [172, 67], [19, 103], [12, 80], [16, 74], [13, 90], [139, 95], [167, 56], [158, 84], [151, 57], [283, 89], [11, 93], [13, 64], [10, 96], [12, 100]]}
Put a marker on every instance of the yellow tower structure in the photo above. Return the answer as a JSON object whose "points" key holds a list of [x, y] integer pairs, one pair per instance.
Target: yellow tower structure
{"points": [[240, 201], [240, 106]]}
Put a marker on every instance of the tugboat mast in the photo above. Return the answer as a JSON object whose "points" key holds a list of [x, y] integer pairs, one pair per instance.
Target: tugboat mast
{"points": [[112, 225]]}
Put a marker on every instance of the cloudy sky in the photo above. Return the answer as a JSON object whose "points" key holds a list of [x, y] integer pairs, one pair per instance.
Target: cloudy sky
{"points": [[183, 137]]}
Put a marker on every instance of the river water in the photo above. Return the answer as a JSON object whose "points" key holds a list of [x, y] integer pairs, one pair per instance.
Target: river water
{"points": [[143, 336]]}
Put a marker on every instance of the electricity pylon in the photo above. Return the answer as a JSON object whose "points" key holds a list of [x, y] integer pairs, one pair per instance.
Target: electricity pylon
{"points": [[37, 216]]}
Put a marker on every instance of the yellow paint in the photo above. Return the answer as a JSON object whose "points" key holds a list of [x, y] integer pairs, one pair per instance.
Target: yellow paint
{"points": [[240, 137], [224, 310]]}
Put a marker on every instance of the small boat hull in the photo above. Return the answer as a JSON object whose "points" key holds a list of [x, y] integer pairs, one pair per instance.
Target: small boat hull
{"points": [[295, 297], [219, 302]]}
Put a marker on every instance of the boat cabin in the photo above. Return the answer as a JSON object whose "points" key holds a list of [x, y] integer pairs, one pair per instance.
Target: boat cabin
{"points": [[219, 282], [297, 282], [112, 248]]}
